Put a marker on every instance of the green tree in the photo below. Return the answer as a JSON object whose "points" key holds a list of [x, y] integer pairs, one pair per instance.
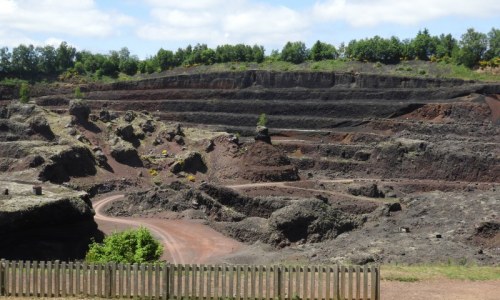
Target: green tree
{"points": [[294, 52], [5, 56], [424, 45], [24, 93], [473, 46], [446, 45], [493, 44], [322, 51], [130, 246], [65, 57], [24, 61], [165, 59], [47, 60]]}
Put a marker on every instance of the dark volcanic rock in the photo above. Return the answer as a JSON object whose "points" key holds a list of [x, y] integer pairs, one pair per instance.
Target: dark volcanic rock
{"points": [[126, 155], [104, 116], [262, 134], [129, 116], [371, 191], [191, 162], [308, 220], [80, 109], [76, 161], [56, 225], [40, 126]]}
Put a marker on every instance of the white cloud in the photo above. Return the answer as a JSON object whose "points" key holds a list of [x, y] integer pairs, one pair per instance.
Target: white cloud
{"points": [[188, 4], [360, 13], [215, 22], [71, 17]]}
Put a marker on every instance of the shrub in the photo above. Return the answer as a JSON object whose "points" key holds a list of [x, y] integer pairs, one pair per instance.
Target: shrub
{"points": [[24, 93], [191, 178], [78, 93], [262, 120], [130, 246], [153, 172]]}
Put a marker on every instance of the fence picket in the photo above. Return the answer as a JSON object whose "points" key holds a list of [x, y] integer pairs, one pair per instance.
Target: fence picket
{"points": [[231, 282], [365, 282], [358, 283], [238, 282], [202, 281]]}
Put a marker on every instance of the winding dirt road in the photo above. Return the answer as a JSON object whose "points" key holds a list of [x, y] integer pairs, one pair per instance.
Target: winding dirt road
{"points": [[185, 242]]}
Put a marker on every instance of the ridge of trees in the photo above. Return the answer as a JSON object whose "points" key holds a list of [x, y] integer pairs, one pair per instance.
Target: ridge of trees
{"points": [[36, 63]]}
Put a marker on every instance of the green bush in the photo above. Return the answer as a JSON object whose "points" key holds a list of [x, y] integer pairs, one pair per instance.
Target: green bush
{"points": [[78, 93], [262, 120], [24, 93], [130, 246]]}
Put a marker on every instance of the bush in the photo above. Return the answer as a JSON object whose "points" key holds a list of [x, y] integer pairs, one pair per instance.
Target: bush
{"points": [[24, 93], [262, 120], [78, 93], [130, 246]]}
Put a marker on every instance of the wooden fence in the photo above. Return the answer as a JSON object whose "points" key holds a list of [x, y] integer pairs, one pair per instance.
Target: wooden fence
{"points": [[170, 281]]}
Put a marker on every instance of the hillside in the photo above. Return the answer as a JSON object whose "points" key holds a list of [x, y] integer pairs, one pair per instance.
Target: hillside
{"points": [[379, 153]]}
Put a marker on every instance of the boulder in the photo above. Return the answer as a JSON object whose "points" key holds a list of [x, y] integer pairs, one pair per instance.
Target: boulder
{"points": [[76, 161], [262, 134], [371, 191], [126, 132], [129, 116], [179, 140], [148, 126], [41, 126], [126, 154], [80, 110], [191, 162], [104, 116]]}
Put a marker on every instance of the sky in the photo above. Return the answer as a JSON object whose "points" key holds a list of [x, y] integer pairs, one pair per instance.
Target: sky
{"points": [[144, 26]]}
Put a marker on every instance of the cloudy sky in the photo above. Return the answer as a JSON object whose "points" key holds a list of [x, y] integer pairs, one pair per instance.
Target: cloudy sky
{"points": [[146, 25]]}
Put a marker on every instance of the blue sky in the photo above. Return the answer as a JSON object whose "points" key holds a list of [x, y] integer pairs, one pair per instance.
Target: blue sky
{"points": [[144, 26]]}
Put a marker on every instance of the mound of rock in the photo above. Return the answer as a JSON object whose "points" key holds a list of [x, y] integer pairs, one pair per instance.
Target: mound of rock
{"points": [[59, 223], [278, 221], [191, 162], [80, 110], [76, 161], [308, 220], [126, 154]]}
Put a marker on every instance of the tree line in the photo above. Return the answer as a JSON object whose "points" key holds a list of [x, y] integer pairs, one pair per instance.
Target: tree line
{"points": [[36, 63]]}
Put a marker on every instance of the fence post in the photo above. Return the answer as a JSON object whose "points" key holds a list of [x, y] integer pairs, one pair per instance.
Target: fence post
{"points": [[2, 276], [280, 281], [107, 280]]}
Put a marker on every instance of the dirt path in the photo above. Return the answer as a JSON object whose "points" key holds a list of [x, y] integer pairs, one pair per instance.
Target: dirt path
{"points": [[443, 289], [184, 241]]}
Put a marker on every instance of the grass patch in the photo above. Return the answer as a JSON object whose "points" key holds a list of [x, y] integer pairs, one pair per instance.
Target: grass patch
{"points": [[412, 273]]}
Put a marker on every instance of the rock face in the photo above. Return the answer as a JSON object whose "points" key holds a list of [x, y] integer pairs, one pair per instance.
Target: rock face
{"points": [[58, 224]]}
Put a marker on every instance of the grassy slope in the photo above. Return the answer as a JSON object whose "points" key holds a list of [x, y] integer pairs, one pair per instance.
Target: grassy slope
{"points": [[406, 68], [438, 271], [409, 68]]}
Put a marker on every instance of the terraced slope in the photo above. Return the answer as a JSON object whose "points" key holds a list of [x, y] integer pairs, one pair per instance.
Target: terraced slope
{"points": [[330, 123]]}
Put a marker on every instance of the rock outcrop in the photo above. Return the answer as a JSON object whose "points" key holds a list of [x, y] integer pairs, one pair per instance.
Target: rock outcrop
{"points": [[58, 224]]}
